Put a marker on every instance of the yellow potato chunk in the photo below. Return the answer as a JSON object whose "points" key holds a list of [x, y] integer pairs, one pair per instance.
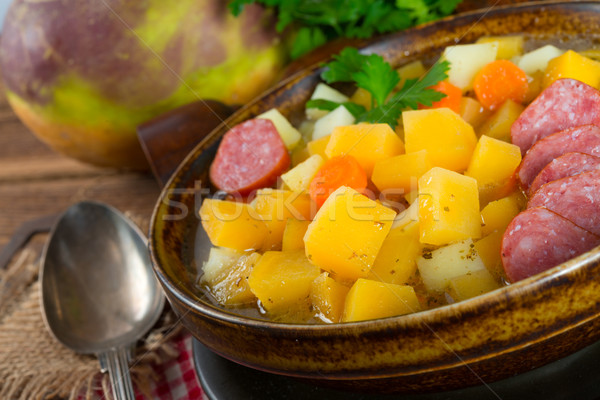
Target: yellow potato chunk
{"points": [[439, 266], [233, 288], [573, 65], [493, 165], [224, 221], [448, 139], [448, 207], [401, 172], [396, 262], [290, 135], [347, 233], [282, 280], [317, 147], [498, 124], [328, 297], [508, 46], [298, 178], [497, 214], [275, 207], [293, 234], [412, 70], [472, 111], [220, 261], [472, 284], [489, 248], [362, 97], [367, 143], [369, 299]]}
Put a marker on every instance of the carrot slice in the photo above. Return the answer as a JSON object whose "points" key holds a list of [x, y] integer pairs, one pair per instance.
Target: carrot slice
{"points": [[452, 99], [334, 173], [499, 81]]}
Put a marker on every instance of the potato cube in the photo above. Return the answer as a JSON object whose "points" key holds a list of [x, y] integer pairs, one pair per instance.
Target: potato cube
{"points": [[362, 97], [326, 124], [489, 248], [298, 178], [220, 260], [498, 124], [448, 139], [537, 60], [369, 299], [439, 266], [367, 143], [290, 135], [448, 207], [466, 60], [412, 70], [472, 111], [347, 233], [472, 284], [282, 280], [396, 261], [493, 165], [317, 147], [497, 214], [324, 92], [233, 288], [275, 207], [293, 234], [575, 66], [408, 216], [328, 297], [298, 155], [232, 224], [508, 46], [400, 172]]}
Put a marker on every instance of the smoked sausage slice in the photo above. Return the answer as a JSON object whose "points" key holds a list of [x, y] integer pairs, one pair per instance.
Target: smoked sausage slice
{"points": [[564, 104], [576, 198], [584, 139], [564, 166], [251, 156], [538, 239]]}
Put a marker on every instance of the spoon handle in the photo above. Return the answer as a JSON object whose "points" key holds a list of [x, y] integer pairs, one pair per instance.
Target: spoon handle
{"points": [[117, 363]]}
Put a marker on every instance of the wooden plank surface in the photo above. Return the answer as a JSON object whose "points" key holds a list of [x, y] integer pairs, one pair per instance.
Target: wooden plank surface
{"points": [[36, 181]]}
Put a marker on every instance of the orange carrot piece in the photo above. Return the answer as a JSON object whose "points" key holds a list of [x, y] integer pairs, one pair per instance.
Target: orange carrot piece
{"points": [[499, 81], [452, 99], [334, 173]]}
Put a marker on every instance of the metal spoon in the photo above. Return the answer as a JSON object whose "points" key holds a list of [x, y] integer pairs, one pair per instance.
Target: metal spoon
{"points": [[99, 294]]}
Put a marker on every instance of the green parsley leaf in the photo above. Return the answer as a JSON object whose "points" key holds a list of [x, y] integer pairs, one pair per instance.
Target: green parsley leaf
{"points": [[344, 66], [377, 77], [355, 109], [416, 91]]}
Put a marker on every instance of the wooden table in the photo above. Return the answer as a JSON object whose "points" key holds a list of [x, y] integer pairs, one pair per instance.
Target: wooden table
{"points": [[36, 181]]}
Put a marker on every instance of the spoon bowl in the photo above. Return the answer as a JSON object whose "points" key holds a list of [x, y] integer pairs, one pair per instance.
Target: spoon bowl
{"points": [[99, 294]]}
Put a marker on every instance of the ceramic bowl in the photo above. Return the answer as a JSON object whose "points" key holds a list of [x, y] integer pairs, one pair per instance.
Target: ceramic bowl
{"points": [[490, 337]]}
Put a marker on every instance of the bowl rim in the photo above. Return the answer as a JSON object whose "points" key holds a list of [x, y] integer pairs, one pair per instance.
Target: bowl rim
{"points": [[501, 296]]}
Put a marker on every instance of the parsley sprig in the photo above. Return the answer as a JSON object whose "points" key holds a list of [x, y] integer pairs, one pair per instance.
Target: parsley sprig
{"points": [[319, 21], [375, 75]]}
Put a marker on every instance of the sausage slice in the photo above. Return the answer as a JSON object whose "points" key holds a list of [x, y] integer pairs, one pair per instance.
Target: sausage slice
{"points": [[569, 164]]}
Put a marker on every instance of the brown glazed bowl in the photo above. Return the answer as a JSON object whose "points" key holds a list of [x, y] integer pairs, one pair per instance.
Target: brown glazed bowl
{"points": [[494, 336]]}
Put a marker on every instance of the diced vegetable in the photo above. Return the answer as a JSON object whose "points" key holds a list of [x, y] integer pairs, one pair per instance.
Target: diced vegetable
{"points": [[325, 125], [275, 207], [220, 260], [282, 279], [575, 66], [298, 178], [489, 248], [448, 139], [537, 60], [497, 214], [334, 173], [318, 146], [290, 135], [362, 97], [293, 234], [473, 112], [499, 81], [401, 172], [439, 266], [347, 233], [233, 288], [412, 70], [370, 299], [493, 165], [324, 92], [471, 284], [448, 207], [367, 143], [452, 99], [508, 46], [223, 221], [498, 124], [396, 261], [466, 60], [328, 297]]}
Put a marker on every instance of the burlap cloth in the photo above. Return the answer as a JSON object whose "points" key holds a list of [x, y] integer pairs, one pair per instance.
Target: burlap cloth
{"points": [[33, 365]]}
